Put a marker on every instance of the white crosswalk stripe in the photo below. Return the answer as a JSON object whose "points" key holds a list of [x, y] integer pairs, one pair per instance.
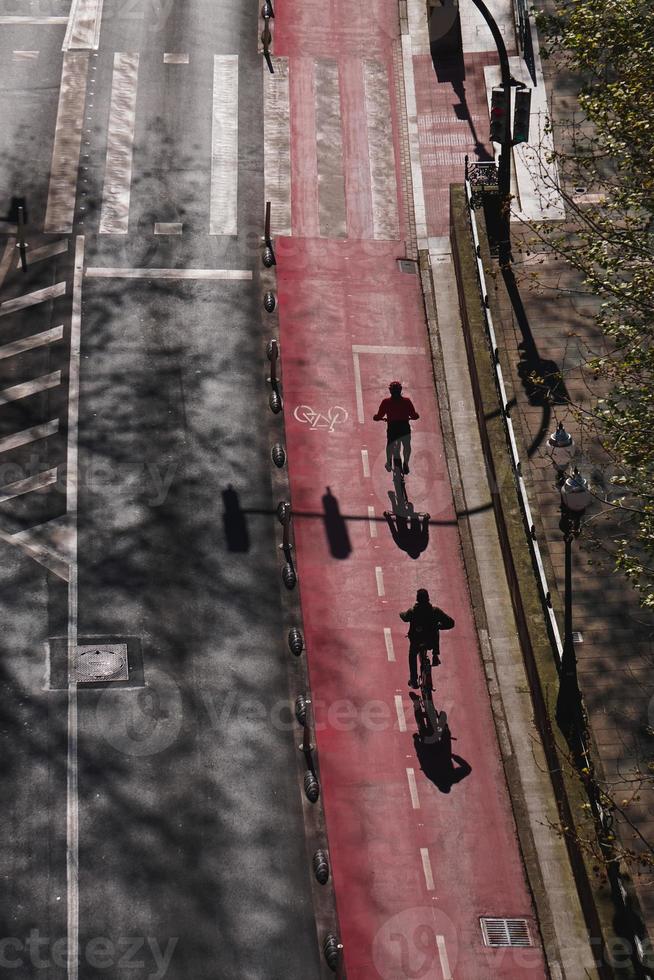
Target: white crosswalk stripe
{"points": [[277, 145], [224, 146], [68, 138], [114, 219]]}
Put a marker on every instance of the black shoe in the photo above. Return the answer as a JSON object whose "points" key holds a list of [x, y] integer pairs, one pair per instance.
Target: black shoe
{"points": [[405, 469], [388, 467], [414, 684]]}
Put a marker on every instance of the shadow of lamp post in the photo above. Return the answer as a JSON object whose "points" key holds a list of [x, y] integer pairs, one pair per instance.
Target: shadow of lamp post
{"points": [[575, 498]]}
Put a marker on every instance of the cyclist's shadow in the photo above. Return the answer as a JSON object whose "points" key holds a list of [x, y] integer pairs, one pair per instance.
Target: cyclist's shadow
{"points": [[439, 764], [410, 530]]}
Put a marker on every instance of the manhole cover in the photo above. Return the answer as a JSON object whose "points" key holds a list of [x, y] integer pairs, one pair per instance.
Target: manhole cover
{"points": [[101, 663]]}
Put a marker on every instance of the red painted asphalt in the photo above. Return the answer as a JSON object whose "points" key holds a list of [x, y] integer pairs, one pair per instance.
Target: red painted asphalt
{"points": [[351, 321]]}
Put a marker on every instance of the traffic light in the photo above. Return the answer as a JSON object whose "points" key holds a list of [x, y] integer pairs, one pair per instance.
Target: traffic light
{"points": [[499, 116], [521, 115]]}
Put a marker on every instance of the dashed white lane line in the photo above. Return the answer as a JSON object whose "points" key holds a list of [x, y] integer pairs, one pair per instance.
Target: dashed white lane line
{"points": [[413, 789], [30, 343], [23, 438], [84, 19], [64, 169], [224, 146], [442, 955], [27, 388], [32, 299], [168, 227], [372, 521], [365, 463], [401, 717], [426, 867], [100, 272], [175, 59], [379, 575], [44, 252], [114, 218], [25, 55], [388, 639], [37, 482]]}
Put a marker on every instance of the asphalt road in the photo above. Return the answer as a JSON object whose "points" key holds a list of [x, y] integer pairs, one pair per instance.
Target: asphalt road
{"points": [[180, 787]]}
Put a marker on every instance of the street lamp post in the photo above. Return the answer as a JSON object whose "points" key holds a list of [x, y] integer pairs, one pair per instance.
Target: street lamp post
{"points": [[561, 448], [504, 163], [575, 498]]}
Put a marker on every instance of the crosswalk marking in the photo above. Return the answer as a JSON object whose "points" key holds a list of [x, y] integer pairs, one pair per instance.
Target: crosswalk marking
{"points": [[168, 227], [277, 145], [30, 343], [99, 272], [68, 137], [37, 482], [28, 388], [32, 299], [114, 219], [84, 21], [224, 146], [20, 55], [25, 21], [44, 252], [175, 59], [329, 143], [23, 438], [380, 148]]}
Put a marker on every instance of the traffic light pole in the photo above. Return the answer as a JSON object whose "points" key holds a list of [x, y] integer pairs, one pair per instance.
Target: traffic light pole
{"points": [[504, 164]]}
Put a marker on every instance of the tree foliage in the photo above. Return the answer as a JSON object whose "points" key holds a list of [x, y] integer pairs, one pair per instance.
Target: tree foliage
{"points": [[607, 147]]}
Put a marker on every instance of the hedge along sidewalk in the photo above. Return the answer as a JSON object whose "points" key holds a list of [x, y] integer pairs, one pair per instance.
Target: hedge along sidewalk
{"points": [[594, 891]]}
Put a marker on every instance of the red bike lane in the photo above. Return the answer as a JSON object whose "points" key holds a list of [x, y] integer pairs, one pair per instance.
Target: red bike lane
{"points": [[420, 847]]}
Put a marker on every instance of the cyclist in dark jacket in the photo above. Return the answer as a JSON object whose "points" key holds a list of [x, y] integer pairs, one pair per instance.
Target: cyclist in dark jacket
{"points": [[425, 623]]}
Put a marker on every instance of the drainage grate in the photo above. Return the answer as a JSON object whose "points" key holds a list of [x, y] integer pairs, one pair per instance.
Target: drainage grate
{"points": [[101, 663], [407, 265], [505, 932]]}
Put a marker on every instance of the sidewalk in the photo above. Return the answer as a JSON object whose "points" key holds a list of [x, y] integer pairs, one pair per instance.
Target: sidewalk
{"points": [[420, 851]]}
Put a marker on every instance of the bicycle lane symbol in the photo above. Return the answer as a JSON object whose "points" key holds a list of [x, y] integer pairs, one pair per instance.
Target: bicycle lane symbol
{"points": [[335, 415]]}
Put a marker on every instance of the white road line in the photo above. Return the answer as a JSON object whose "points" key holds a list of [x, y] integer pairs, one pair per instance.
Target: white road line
{"points": [[32, 299], [99, 272], [84, 21], [175, 59], [365, 462], [31, 21], [379, 575], [426, 866], [72, 794], [7, 255], [442, 955], [224, 146], [29, 343], [17, 439], [371, 521], [388, 640], [413, 789], [114, 219], [399, 708], [168, 227], [27, 388], [25, 55], [277, 145], [329, 150], [37, 482], [45, 252], [381, 158], [358, 349], [68, 137]]}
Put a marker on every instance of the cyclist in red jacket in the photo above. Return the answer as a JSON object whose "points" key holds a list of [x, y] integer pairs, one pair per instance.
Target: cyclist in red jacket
{"points": [[397, 411]]}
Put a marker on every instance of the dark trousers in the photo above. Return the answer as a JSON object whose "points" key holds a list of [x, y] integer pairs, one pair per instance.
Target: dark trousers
{"points": [[413, 660]]}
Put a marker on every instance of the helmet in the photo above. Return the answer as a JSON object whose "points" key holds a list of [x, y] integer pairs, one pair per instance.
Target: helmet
{"points": [[422, 595], [395, 386]]}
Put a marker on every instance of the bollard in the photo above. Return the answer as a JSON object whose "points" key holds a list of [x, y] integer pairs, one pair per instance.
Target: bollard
{"points": [[306, 745], [268, 252], [283, 511], [278, 455], [321, 866], [332, 950], [275, 401], [21, 238], [301, 709], [273, 355], [266, 38], [268, 257], [267, 10], [269, 301], [311, 786], [295, 641], [289, 576]]}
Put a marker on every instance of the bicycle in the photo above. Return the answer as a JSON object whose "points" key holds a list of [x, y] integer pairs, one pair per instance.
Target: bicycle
{"points": [[399, 484], [432, 723]]}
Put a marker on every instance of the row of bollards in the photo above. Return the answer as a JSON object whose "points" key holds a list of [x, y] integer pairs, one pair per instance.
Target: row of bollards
{"points": [[331, 946]]}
